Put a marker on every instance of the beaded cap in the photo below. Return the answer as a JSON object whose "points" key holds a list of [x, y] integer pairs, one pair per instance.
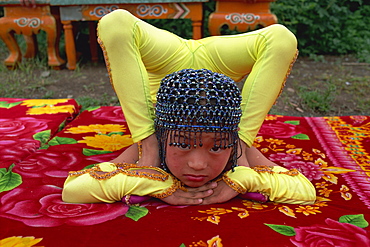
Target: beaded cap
{"points": [[196, 101]]}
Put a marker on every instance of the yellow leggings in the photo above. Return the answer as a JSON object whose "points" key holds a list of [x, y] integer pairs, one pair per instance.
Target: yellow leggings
{"points": [[138, 55]]}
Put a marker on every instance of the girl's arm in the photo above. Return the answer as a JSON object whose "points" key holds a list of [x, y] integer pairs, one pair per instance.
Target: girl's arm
{"points": [[276, 182], [252, 157], [108, 182]]}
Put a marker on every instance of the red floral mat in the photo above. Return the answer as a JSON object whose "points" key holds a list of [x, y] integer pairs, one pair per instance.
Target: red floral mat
{"points": [[334, 153], [25, 124]]}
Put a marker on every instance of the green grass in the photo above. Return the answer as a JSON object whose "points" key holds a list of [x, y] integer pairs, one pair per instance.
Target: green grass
{"points": [[319, 99], [89, 102]]}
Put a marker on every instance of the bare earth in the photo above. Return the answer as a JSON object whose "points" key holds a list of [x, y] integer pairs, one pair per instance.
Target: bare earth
{"points": [[349, 79]]}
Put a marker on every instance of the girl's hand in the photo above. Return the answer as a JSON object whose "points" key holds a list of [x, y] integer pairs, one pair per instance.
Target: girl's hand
{"points": [[193, 196], [28, 3], [222, 193]]}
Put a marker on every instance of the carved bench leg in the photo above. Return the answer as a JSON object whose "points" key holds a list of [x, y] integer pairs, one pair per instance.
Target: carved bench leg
{"points": [[197, 29], [70, 45], [51, 29], [15, 54], [32, 48], [93, 42]]}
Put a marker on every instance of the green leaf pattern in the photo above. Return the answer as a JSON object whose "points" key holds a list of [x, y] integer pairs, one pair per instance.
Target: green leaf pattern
{"points": [[136, 212], [8, 179]]}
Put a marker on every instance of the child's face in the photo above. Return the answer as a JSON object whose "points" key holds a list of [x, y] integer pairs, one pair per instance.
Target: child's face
{"points": [[197, 166]]}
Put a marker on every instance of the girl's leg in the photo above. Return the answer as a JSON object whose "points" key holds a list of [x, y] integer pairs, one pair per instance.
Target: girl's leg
{"points": [[138, 56], [267, 56]]}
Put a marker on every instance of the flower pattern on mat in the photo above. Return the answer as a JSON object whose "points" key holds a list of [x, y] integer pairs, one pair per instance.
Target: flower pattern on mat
{"points": [[20, 241], [348, 231], [48, 109], [280, 130], [41, 206], [213, 242], [12, 151], [19, 127], [108, 142], [42, 102], [55, 163], [37, 202], [114, 115], [110, 137], [47, 106], [97, 128]]}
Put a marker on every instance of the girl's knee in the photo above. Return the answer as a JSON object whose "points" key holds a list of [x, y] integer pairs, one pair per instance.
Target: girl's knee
{"points": [[281, 38], [117, 16], [117, 19], [116, 25]]}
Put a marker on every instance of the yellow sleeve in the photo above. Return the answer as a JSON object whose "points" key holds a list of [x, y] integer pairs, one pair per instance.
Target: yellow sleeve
{"points": [[279, 184], [108, 182]]}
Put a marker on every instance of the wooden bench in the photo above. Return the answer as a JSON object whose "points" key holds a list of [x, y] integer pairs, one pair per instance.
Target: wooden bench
{"points": [[30, 21], [93, 10], [240, 15]]}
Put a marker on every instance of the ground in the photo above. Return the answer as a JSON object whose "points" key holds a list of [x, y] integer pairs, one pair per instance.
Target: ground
{"points": [[317, 86]]}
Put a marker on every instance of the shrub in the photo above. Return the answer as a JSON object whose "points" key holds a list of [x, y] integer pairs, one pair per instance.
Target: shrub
{"points": [[327, 26]]}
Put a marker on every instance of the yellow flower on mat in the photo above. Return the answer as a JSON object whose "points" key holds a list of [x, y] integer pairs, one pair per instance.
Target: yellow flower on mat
{"points": [[287, 211], [320, 162], [275, 141], [214, 219], [272, 117], [254, 205], [290, 146], [215, 242], [19, 241], [294, 151], [325, 192], [108, 143], [258, 139], [41, 102], [216, 211], [318, 152], [321, 185], [50, 109], [344, 193], [330, 177], [321, 204], [307, 210], [97, 128], [322, 199], [243, 212]]}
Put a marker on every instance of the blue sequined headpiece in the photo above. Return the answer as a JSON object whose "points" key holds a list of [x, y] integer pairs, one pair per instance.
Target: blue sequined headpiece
{"points": [[197, 101]]}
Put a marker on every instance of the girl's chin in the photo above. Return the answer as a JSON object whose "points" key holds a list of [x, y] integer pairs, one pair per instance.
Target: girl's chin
{"points": [[195, 184]]}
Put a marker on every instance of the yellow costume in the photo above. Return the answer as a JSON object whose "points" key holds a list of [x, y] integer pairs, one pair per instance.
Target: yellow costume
{"points": [[278, 183], [108, 182], [139, 55]]}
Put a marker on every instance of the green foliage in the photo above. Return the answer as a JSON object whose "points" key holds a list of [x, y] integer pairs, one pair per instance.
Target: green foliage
{"points": [[327, 26]]}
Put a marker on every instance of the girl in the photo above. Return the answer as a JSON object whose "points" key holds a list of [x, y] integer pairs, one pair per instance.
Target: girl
{"points": [[197, 117]]}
